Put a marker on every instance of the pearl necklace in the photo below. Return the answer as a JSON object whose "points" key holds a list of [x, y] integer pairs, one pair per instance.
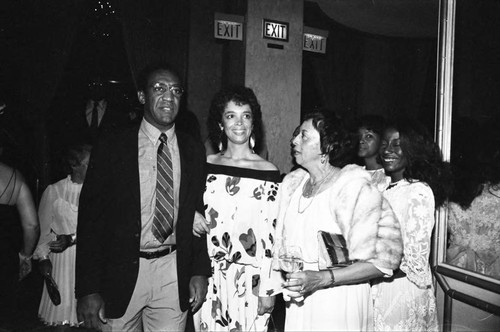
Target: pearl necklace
{"points": [[310, 192]]}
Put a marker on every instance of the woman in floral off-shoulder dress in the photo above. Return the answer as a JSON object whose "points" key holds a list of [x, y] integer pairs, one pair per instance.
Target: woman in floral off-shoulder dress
{"points": [[240, 211]]}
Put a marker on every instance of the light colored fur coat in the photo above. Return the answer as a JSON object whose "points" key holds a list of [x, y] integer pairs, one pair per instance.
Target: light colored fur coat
{"points": [[364, 216]]}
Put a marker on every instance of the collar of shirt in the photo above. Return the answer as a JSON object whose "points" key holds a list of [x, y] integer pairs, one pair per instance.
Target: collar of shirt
{"points": [[101, 106], [154, 133]]}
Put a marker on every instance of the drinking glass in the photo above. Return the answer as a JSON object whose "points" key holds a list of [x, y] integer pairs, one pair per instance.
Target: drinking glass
{"points": [[290, 258]]}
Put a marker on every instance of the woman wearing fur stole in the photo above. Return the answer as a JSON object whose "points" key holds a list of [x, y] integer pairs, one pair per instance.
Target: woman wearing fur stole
{"points": [[406, 302], [327, 195]]}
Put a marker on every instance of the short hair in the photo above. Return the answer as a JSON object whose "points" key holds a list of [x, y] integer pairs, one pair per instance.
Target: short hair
{"points": [[152, 68], [334, 137], [77, 153], [240, 95]]}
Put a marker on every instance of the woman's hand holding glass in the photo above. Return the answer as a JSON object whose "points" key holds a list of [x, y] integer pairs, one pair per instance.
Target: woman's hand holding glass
{"points": [[299, 282], [291, 263]]}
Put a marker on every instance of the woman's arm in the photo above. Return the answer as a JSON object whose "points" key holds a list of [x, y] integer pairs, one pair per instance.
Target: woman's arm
{"points": [[417, 236], [45, 215], [307, 282], [29, 219], [29, 223]]}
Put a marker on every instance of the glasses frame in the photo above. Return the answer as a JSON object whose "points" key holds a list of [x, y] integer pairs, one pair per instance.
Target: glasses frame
{"points": [[172, 88]]}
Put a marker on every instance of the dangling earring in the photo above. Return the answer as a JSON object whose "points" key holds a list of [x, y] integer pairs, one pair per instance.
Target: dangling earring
{"points": [[252, 143], [221, 136], [323, 158]]}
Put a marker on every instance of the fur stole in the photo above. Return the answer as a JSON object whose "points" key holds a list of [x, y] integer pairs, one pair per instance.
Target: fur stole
{"points": [[366, 219]]}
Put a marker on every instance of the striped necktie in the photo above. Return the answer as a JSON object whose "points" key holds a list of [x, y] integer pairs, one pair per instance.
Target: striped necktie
{"points": [[163, 221]]}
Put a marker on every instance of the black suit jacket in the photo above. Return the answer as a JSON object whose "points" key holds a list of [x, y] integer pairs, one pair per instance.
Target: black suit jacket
{"points": [[114, 118], [109, 221]]}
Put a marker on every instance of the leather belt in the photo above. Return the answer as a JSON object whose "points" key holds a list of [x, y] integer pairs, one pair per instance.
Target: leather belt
{"points": [[158, 253]]}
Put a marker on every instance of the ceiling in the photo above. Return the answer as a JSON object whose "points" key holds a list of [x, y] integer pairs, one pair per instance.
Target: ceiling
{"points": [[393, 18]]}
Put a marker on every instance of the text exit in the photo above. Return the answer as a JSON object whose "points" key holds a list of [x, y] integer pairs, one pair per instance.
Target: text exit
{"points": [[275, 30]]}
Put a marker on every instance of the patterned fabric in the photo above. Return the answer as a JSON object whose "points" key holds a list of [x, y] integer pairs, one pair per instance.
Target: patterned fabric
{"points": [[164, 212], [475, 234], [241, 208], [58, 213], [409, 303]]}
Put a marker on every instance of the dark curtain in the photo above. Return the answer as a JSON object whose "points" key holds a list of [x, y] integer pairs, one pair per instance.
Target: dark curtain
{"points": [[156, 30], [36, 40], [362, 73]]}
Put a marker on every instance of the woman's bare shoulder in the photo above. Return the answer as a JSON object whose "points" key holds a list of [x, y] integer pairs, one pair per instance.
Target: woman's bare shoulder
{"points": [[213, 158], [262, 164]]}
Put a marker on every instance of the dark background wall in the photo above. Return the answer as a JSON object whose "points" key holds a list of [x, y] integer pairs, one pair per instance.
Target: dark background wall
{"points": [[50, 48]]}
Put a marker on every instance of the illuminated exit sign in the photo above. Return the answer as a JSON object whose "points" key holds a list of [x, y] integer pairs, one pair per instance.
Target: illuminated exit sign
{"points": [[314, 40], [228, 26], [275, 30]]}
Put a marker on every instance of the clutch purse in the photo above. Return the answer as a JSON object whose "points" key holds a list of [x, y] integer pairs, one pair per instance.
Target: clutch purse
{"points": [[53, 290], [332, 251]]}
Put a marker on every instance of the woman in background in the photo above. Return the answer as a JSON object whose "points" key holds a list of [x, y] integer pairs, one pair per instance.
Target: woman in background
{"points": [[241, 202], [474, 209], [56, 250], [17, 216], [370, 129], [406, 302]]}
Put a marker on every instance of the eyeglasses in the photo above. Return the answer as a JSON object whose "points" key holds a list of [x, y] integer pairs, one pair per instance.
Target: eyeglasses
{"points": [[160, 88]]}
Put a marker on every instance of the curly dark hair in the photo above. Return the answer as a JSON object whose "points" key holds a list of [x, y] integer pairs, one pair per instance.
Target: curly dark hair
{"points": [[335, 139], [424, 159], [475, 158], [373, 122], [240, 95]]}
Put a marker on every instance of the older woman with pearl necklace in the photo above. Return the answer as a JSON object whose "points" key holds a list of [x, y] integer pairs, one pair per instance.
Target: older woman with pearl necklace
{"points": [[328, 194]]}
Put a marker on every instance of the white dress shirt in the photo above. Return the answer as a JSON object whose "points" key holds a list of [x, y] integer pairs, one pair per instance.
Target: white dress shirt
{"points": [[148, 149]]}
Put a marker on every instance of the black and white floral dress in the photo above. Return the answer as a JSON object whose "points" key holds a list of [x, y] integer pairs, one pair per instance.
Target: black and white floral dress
{"points": [[241, 207]]}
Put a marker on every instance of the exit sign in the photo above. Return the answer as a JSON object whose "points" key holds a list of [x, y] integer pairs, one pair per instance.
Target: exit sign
{"points": [[275, 30], [228, 26], [314, 40]]}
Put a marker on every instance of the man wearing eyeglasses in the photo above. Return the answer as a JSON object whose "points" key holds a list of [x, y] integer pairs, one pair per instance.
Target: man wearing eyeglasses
{"points": [[138, 265]]}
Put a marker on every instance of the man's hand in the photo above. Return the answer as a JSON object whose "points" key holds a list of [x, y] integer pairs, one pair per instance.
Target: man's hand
{"points": [[200, 225], [62, 242], [266, 304], [197, 292], [90, 311]]}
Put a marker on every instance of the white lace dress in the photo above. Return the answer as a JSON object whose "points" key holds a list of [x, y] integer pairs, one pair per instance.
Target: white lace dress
{"points": [[58, 213], [475, 234], [409, 303]]}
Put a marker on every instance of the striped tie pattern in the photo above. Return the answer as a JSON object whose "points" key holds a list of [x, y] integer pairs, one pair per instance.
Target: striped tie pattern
{"points": [[164, 212]]}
